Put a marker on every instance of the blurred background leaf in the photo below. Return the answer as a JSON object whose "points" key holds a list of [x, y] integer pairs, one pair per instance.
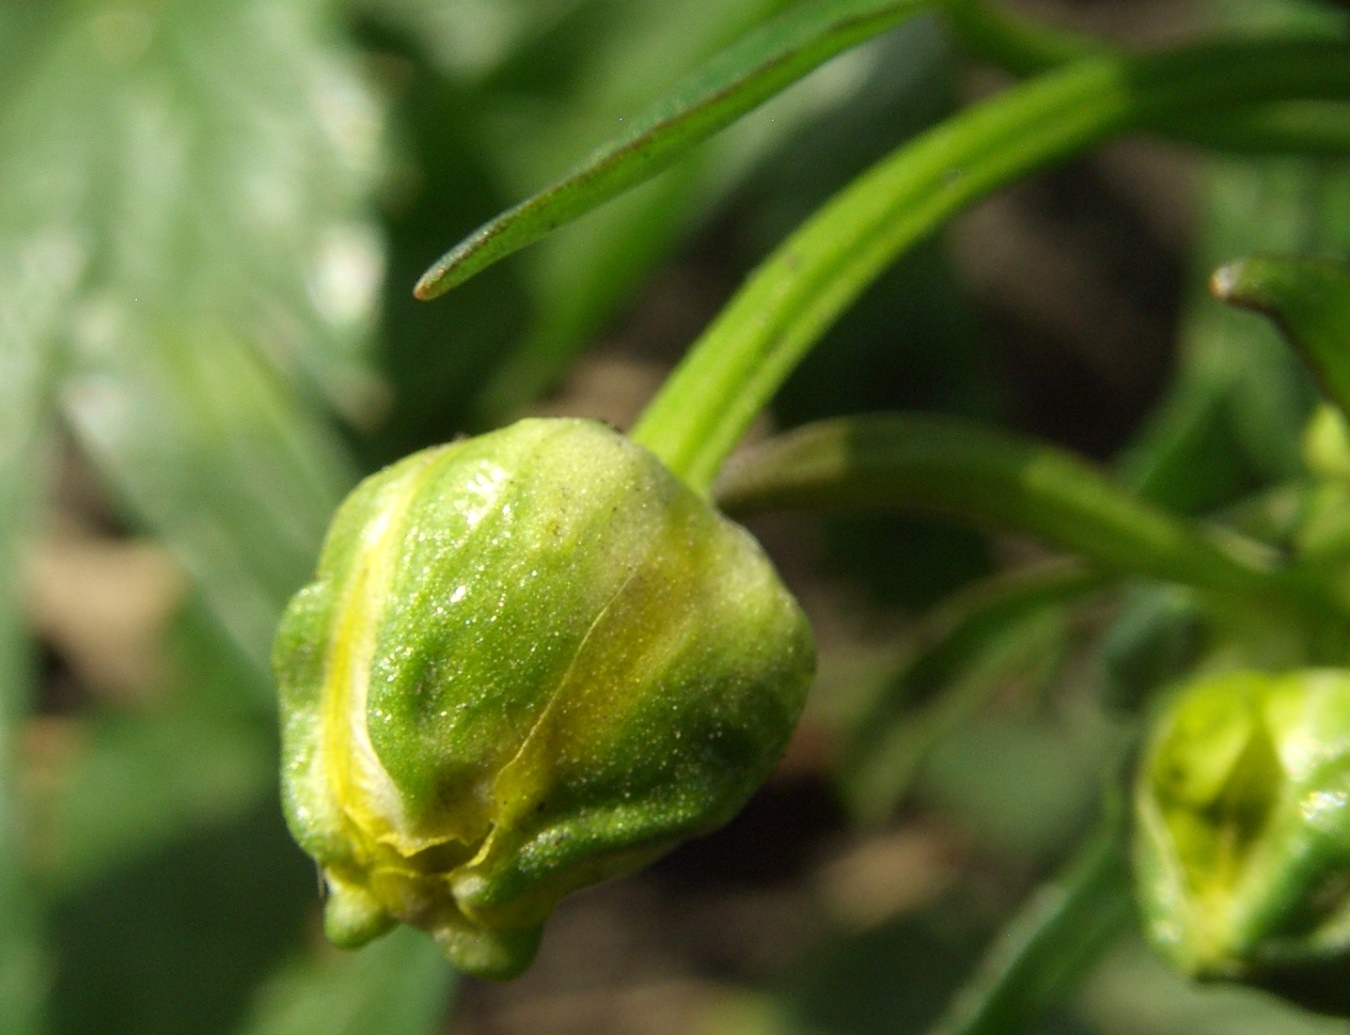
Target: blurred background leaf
{"points": [[398, 986], [188, 279], [207, 178]]}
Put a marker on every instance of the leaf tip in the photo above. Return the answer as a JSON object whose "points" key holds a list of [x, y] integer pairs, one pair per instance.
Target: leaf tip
{"points": [[1231, 283], [434, 282]]}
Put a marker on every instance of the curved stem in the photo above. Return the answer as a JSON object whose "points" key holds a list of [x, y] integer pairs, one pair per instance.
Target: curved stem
{"points": [[995, 478], [740, 361]]}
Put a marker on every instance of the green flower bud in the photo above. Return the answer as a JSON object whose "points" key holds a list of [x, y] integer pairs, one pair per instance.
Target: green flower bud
{"points": [[530, 661], [1242, 850]]}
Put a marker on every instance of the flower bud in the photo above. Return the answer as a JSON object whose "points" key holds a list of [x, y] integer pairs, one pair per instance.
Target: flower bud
{"points": [[530, 661], [1242, 850]]}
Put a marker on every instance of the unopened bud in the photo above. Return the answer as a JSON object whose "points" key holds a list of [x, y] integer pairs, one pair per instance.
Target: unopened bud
{"points": [[530, 661], [1243, 846]]}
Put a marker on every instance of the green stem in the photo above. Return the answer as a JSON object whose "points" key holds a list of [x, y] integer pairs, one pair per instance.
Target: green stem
{"points": [[994, 478], [738, 364], [1043, 951]]}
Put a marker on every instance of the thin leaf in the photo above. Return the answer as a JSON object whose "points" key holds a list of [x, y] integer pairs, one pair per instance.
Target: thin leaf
{"points": [[581, 276], [1309, 300], [198, 754], [991, 477], [1025, 47], [735, 82], [1019, 45], [138, 784], [740, 361], [472, 38], [1308, 128], [1158, 634], [586, 272], [1134, 991], [179, 940]]}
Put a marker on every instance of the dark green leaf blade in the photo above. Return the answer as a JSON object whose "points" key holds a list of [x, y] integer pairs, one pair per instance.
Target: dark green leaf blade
{"points": [[1232, 417], [1047, 946], [138, 784], [1320, 128], [1019, 45], [733, 83]]}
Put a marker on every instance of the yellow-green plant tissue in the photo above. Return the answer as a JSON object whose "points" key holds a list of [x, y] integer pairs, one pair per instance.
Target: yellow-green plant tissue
{"points": [[1242, 848], [529, 661]]}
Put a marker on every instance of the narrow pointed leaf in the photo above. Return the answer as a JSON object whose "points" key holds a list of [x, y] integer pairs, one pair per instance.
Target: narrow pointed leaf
{"points": [[1302, 128], [584, 274], [1309, 300], [1232, 419], [138, 784], [1232, 416], [580, 278], [1019, 45], [1025, 46], [735, 82], [797, 293]]}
